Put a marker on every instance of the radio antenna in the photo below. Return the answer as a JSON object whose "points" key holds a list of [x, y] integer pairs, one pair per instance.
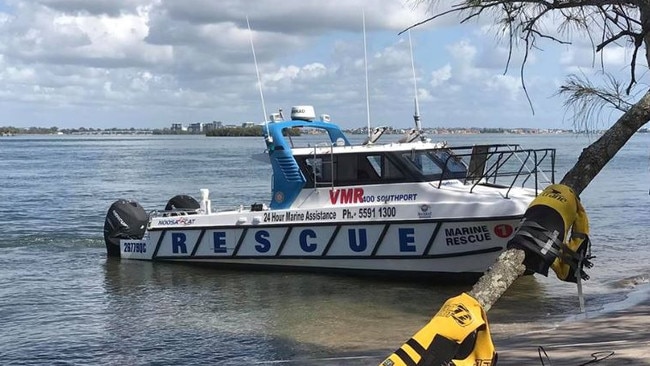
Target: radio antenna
{"points": [[365, 61], [416, 116], [257, 71]]}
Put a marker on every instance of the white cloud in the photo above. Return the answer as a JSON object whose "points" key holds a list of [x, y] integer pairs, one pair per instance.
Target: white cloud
{"points": [[617, 56], [464, 55], [135, 62], [441, 75], [506, 85], [424, 95], [95, 7]]}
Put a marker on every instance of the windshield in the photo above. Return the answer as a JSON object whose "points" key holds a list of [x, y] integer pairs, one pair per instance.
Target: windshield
{"points": [[451, 163], [436, 164]]}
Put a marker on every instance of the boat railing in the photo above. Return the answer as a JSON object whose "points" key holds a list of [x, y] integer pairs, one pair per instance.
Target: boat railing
{"points": [[503, 165]]}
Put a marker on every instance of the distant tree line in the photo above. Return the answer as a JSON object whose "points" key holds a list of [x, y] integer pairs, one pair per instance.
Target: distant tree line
{"points": [[236, 131], [247, 131], [492, 130], [54, 130], [8, 130]]}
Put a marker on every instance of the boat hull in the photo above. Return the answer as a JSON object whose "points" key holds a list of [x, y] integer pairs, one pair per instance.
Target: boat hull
{"points": [[423, 248]]}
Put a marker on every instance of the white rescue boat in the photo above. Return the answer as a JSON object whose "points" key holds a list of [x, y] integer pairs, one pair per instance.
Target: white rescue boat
{"points": [[400, 208]]}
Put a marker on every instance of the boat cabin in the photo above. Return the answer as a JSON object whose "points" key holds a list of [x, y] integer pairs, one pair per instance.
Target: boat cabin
{"points": [[338, 163], [377, 165]]}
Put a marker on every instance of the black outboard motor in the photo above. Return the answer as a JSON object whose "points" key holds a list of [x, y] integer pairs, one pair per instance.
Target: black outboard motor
{"points": [[182, 202], [124, 220]]}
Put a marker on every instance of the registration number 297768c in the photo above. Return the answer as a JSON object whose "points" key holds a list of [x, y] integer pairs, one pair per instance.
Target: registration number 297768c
{"points": [[131, 247]]}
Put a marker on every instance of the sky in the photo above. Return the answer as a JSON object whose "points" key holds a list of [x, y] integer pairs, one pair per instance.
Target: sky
{"points": [[151, 63]]}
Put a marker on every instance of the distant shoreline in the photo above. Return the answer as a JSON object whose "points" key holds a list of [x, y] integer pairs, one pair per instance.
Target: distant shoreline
{"points": [[257, 131]]}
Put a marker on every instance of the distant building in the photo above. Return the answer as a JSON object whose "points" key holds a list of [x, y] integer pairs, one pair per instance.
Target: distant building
{"points": [[195, 127], [212, 126], [178, 127], [248, 124]]}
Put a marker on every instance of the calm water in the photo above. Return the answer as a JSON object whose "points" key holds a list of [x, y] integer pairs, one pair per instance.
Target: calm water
{"points": [[63, 302]]}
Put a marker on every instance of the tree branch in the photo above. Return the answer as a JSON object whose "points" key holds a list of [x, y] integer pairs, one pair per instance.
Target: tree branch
{"points": [[525, 20], [624, 33], [593, 158]]}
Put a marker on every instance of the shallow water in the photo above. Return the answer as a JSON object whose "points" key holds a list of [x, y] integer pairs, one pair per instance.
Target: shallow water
{"points": [[62, 301]]}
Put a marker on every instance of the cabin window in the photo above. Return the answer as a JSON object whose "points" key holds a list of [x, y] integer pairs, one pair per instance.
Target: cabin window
{"points": [[424, 164], [375, 163], [436, 164], [384, 167], [314, 168], [453, 165], [355, 169], [349, 169], [319, 170]]}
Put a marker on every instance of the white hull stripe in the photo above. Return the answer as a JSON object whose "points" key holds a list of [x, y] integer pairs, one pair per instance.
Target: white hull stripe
{"points": [[434, 256], [376, 244]]}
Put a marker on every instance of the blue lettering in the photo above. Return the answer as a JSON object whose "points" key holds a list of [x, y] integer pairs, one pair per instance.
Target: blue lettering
{"points": [[262, 238], [406, 239], [307, 247], [219, 238], [178, 243], [363, 240]]}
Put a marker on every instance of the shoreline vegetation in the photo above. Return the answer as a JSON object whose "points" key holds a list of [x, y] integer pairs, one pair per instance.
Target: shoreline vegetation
{"points": [[256, 131]]}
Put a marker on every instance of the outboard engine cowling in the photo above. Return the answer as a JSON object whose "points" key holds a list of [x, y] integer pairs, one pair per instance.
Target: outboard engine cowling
{"points": [[182, 202], [124, 220]]}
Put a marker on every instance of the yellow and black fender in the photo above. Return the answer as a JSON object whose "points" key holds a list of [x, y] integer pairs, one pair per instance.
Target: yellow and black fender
{"points": [[554, 233], [457, 335]]}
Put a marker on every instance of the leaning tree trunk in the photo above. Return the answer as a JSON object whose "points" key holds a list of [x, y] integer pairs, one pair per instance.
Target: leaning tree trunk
{"points": [[509, 266]]}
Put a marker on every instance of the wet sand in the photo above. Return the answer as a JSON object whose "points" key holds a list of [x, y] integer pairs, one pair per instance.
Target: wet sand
{"points": [[625, 333], [619, 337]]}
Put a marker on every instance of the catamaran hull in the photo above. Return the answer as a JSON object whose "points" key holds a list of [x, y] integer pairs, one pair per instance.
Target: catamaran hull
{"points": [[386, 268], [423, 248]]}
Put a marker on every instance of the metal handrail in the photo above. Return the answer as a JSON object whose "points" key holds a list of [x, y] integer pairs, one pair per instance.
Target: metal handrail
{"points": [[498, 159], [331, 148]]}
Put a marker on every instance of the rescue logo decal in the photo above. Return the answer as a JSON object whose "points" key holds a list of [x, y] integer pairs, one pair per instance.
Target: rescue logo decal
{"points": [[503, 230], [425, 212]]}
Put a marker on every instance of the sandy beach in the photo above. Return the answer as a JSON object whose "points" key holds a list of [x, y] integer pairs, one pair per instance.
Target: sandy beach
{"points": [[625, 333], [620, 337]]}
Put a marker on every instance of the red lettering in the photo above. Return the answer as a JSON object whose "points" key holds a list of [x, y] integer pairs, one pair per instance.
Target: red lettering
{"points": [[346, 195], [334, 196], [343, 196], [358, 195]]}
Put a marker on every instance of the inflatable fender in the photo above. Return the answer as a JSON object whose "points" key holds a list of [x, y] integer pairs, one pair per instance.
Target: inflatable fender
{"points": [[457, 335]]}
